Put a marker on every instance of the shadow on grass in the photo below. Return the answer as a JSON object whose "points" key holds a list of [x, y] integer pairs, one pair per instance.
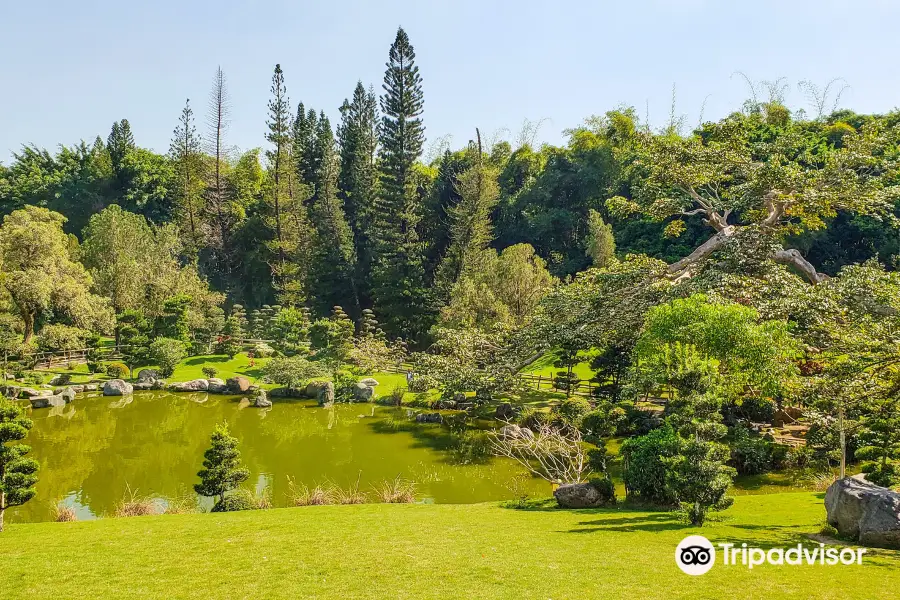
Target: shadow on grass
{"points": [[200, 360], [644, 522]]}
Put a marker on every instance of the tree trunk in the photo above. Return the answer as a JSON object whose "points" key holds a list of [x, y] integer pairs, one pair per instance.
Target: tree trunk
{"points": [[2, 509], [29, 325]]}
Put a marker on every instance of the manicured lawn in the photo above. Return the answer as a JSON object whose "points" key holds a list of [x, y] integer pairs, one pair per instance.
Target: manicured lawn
{"points": [[544, 367], [192, 368], [425, 551]]}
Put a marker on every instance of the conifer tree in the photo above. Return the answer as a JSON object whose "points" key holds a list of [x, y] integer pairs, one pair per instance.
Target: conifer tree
{"points": [[358, 140], [304, 135], [399, 288], [17, 473], [600, 244], [222, 470], [333, 258], [287, 214], [185, 152], [218, 201], [119, 143]]}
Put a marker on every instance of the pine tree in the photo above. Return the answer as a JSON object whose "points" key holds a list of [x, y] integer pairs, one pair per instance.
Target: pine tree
{"points": [[880, 440], [470, 224], [186, 155], [222, 470], [287, 214], [307, 157], [218, 196], [119, 143], [358, 140], [399, 288], [333, 257], [17, 473]]}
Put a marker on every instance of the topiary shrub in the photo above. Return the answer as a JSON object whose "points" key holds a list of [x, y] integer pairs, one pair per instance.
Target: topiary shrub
{"points": [[210, 372], [750, 455], [116, 370], [63, 379], [167, 353], [422, 383], [752, 408], [644, 470], [572, 410], [263, 350], [239, 499]]}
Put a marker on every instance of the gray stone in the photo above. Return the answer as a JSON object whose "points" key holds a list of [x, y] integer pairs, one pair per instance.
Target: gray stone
{"points": [[147, 375], [47, 401], [446, 405], [61, 379], [261, 400], [429, 418], [117, 387], [322, 391], [68, 394], [864, 512], [91, 387], [362, 392], [238, 384], [143, 385], [284, 392], [578, 495], [195, 385], [369, 381], [33, 393], [216, 386], [514, 432], [505, 411]]}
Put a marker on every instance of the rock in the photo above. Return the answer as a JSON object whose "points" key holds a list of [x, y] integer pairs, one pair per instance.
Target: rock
{"points": [[91, 387], [514, 432], [10, 391], [260, 400], [47, 401], [148, 375], [322, 391], [117, 387], [78, 388], [505, 411], [786, 416], [238, 385], [216, 386], [33, 393], [578, 495], [445, 405], [283, 392], [429, 418], [864, 512], [60, 379], [143, 385], [362, 392], [195, 385], [68, 394], [369, 381]]}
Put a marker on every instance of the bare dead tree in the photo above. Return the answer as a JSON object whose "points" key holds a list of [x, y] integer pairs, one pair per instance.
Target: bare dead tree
{"points": [[818, 97], [552, 454]]}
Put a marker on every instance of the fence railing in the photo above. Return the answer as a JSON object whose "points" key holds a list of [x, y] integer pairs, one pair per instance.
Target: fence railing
{"points": [[580, 387]]}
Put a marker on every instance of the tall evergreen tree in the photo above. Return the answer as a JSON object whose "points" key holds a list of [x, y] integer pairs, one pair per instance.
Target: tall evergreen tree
{"points": [[287, 217], [187, 158], [399, 288], [119, 143], [358, 140], [222, 468], [333, 257], [218, 198], [307, 157], [17, 473]]}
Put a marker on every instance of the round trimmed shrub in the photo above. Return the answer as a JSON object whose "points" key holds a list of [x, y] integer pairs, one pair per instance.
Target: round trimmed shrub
{"points": [[117, 370]]}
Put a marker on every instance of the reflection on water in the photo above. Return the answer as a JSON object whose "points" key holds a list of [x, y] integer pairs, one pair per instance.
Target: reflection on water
{"points": [[93, 451]]}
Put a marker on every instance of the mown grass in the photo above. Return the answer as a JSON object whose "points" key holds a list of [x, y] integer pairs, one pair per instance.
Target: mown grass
{"points": [[425, 551]]}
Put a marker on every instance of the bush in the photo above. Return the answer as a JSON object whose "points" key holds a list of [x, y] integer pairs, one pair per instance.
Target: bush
{"points": [[422, 383], [63, 379], [753, 408], [117, 370], [263, 350], [239, 499], [597, 459], [573, 410], [644, 469], [293, 372], [750, 455], [607, 489], [166, 353], [602, 422], [210, 372]]}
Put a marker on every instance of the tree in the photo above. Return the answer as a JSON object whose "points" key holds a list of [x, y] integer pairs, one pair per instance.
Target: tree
{"points": [[289, 329], [332, 338], [880, 439], [218, 206], [40, 274], [133, 331], [232, 334], [119, 143], [333, 260], [470, 223], [17, 473], [167, 353], [358, 141], [398, 285], [292, 372], [222, 469], [600, 244], [185, 152], [522, 280]]}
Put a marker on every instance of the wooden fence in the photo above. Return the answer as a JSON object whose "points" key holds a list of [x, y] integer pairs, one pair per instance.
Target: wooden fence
{"points": [[580, 387]]}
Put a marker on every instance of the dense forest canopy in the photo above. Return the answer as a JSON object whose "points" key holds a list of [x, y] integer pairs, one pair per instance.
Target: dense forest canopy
{"points": [[350, 215]]}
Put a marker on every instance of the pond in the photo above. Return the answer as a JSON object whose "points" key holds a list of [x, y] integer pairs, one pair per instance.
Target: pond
{"points": [[96, 450]]}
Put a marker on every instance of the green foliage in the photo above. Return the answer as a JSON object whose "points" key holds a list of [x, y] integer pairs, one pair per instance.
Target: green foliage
{"points": [[606, 488], [229, 343], [210, 372], [17, 473], [166, 353], [117, 370], [332, 338], [292, 372], [600, 244], [289, 331], [572, 411], [699, 478], [222, 469], [133, 336], [58, 337], [880, 439], [174, 322], [644, 467], [750, 455]]}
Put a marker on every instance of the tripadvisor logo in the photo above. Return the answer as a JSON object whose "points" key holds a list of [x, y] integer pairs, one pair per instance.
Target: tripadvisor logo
{"points": [[696, 555]]}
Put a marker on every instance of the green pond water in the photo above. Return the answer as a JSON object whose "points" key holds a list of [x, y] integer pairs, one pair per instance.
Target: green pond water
{"points": [[95, 450]]}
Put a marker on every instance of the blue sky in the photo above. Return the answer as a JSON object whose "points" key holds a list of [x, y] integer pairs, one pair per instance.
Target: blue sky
{"points": [[71, 68]]}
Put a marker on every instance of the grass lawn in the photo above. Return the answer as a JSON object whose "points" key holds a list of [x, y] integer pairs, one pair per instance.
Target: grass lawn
{"points": [[544, 366], [426, 551]]}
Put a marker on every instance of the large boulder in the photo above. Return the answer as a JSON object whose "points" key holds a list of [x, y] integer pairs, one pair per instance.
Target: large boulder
{"points": [[238, 385], [578, 495], [117, 387], [369, 381], [68, 394], [47, 401], [144, 385], [91, 387], [216, 386], [194, 385], [33, 393], [514, 432], [322, 391], [363, 393], [148, 375], [864, 512], [285, 392], [260, 400]]}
